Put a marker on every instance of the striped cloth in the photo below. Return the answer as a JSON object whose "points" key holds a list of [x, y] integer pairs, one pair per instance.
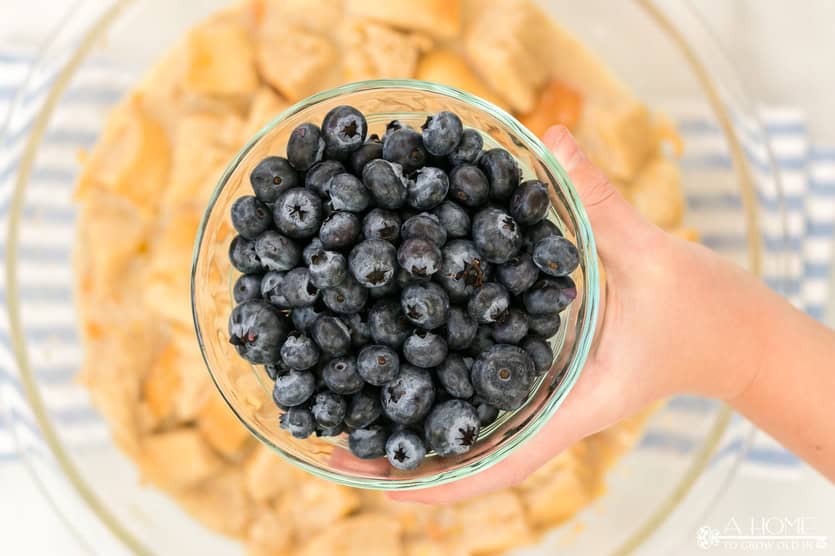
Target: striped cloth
{"points": [[714, 208]]}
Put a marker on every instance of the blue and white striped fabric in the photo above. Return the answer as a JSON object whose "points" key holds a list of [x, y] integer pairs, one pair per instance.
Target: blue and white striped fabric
{"points": [[807, 173]]}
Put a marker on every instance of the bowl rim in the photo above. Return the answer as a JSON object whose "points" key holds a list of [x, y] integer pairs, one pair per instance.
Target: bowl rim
{"points": [[589, 304]]}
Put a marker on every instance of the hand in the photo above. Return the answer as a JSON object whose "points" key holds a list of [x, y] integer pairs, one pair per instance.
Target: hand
{"points": [[647, 302]]}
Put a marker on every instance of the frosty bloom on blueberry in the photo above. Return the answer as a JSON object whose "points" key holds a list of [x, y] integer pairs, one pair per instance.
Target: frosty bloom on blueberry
{"points": [[399, 289]]}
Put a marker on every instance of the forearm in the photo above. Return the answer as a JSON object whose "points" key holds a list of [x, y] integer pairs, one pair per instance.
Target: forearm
{"points": [[771, 362], [791, 395]]}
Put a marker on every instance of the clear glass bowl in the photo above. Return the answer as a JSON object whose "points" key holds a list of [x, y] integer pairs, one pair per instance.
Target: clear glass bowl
{"points": [[657, 495], [381, 102]]}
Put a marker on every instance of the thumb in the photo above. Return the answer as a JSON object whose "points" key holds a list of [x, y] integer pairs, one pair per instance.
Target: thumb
{"points": [[614, 222]]}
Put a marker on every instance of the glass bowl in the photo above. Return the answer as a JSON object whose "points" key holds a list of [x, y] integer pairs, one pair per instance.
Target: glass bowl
{"points": [[212, 275], [689, 450]]}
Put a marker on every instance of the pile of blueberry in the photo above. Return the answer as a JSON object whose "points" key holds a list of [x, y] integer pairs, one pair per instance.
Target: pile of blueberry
{"points": [[398, 289]]}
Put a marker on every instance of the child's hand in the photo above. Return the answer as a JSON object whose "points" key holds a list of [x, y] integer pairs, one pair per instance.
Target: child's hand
{"points": [[676, 318]]}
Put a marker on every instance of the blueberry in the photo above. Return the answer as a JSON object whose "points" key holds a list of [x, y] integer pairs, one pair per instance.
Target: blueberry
{"points": [[272, 177], [322, 432], [247, 286], [348, 193], [276, 251], [390, 289], [460, 329], [331, 335], [386, 183], [419, 257], [539, 231], [453, 218], [545, 324], [468, 149], [327, 269], [405, 450], [340, 375], [489, 303], [424, 349], [408, 398], [297, 289], [378, 364], [404, 146], [369, 442], [425, 304], [540, 353], [424, 226], [304, 317], [311, 249], [452, 428], [372, 149], [329, 409], [483, 340], [348, 297], [305, 147], [502, 376], [344, 129], [502, 172], [318, 178], [271, 289], [251, 217], [511, 327], [373, 263], [298, 421], [360, 331], [496, 235], [257, 330], [442, 133], [294, 388], [549, 295], [529, 202], [556, 256], [463, 271], [486, 412], [454, 376], [518, 274], [381, 224], [299, 352], [339, 230], [388, 324], [275, 369], [363, 408], [469, 186], [298, 213], [428, 189], [243, 257]]}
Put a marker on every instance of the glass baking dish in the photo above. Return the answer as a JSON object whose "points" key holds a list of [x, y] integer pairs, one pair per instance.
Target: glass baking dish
{"points": [[690, 447]]}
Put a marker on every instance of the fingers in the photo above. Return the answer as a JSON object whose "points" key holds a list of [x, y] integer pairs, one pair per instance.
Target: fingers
{"points": [[614, 222]]}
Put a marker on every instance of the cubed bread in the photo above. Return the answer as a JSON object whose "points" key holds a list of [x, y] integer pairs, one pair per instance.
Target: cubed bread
{"points": [[487, 524], [363, 535], [293, 60], [657, 193], [505, 45], [617, 137], [221, 429], [131, 158], [557, 104], [449, 68], [177, 459], [265, 106], [376, 51], [220, 504], [439, 18], [220, 60]]}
